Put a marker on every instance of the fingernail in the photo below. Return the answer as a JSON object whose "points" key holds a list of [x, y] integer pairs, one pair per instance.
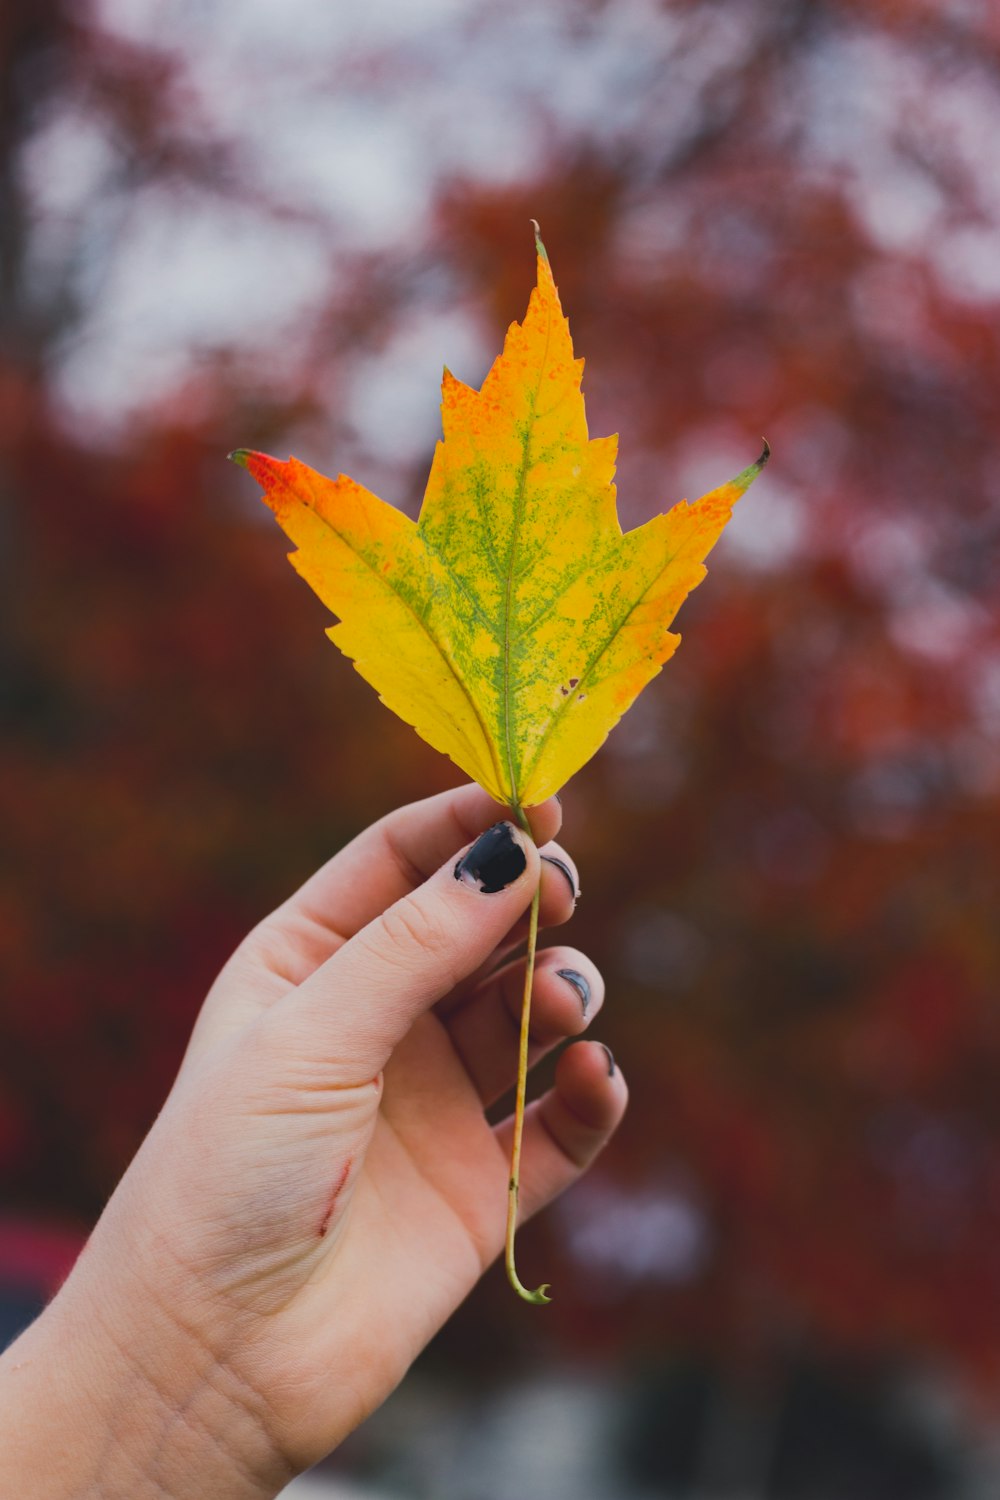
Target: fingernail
{"points": [[561, 864], [611, 1058], [579, 984], [495, 860]]}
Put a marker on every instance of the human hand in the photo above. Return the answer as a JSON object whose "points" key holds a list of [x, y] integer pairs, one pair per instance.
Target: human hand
{"points": [[322, 1188]]}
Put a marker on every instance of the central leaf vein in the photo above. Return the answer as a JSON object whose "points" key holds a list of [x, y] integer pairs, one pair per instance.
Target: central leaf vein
{"points": [[519, 503]]}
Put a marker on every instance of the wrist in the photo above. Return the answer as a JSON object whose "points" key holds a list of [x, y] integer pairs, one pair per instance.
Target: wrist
{"points": [[101, 1399]]}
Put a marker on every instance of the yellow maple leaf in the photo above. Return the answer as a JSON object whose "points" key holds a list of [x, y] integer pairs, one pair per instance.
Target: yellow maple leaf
{"points": [[514, 623]]}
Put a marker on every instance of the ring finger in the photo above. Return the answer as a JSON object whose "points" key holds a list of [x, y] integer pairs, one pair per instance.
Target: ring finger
{"points": [[567, 992]]}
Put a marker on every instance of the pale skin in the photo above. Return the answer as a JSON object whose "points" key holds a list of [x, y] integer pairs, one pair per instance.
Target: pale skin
{"points": [[321, 1189]]}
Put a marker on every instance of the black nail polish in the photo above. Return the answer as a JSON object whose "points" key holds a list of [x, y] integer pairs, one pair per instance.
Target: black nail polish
{"points": [[578, 983], [561, 865], [611, 1058], [495, 860]]}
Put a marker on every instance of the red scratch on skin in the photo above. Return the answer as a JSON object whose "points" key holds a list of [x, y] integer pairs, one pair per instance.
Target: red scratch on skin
{"points": [[342, 1179]]}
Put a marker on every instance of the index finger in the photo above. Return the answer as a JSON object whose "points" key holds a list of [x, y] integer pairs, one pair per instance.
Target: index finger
{"points": [[385, 863], [376, 869]]}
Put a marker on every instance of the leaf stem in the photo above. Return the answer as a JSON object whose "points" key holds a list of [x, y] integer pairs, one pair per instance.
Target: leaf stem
{"points": [[540, 1294]]}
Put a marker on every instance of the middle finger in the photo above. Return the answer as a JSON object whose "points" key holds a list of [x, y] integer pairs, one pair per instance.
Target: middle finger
{"points": [[567, 992]]}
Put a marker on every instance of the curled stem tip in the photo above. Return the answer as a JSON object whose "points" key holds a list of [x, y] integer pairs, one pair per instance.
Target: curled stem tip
{"points": [[538, 239], [540, 1294], [744, 480]]}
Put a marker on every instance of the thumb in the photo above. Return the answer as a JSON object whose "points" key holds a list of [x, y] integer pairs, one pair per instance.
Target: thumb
{"points": [[361, 1002]]}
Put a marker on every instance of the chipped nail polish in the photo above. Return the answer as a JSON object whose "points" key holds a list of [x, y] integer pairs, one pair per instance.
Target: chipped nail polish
{"points": [[578, 983], [611, 1058], [563, 867], [495, 860]]}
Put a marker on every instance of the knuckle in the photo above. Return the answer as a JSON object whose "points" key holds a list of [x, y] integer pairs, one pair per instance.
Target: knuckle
{"points": [[412, 929]]}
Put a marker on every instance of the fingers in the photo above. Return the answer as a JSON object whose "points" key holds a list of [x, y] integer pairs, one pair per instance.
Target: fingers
{"points": [[376, 869], [352, 1011], [379, 867], [569, 1126], [567, 992], [560, 886]]}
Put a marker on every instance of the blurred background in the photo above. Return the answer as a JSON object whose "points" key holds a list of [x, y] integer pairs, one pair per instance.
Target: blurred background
{"points": [[233, 222]]}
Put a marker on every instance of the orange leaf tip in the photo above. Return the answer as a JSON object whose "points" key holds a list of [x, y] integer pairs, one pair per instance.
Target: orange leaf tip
{"points": [[266, 470]]}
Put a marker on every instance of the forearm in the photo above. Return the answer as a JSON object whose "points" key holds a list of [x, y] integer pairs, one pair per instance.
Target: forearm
{"points": [[89, 1412]]}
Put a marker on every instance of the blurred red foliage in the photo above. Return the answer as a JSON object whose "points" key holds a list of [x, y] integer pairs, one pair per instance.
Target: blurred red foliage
{"points": [[790, 851]]}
